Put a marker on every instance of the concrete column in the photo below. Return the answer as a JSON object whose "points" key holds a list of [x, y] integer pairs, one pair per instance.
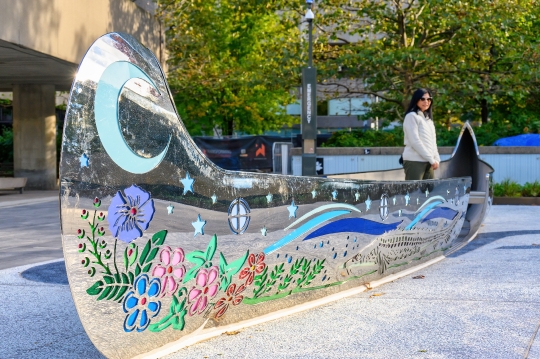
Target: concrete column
{"points": [[34, 135]]}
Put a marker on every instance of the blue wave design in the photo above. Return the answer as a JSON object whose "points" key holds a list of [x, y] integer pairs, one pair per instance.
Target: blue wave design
{"points": [[422, 214], [443, 212], [303, 229], [359, 225]]}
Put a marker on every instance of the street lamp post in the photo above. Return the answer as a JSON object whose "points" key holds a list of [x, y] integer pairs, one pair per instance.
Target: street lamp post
{"points": [[309, 104]]}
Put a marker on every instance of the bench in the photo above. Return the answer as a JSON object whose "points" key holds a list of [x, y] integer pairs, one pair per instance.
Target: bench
{"points": [[16, 183]]}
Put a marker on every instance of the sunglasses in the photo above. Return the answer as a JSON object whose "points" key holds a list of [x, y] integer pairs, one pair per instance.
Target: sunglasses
{"points": [[426, 99]]}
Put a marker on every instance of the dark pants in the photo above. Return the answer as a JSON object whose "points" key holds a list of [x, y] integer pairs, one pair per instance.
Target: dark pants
{"points": [[417, 170]]}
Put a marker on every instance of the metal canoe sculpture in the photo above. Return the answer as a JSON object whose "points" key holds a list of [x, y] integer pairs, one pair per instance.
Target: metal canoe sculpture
{"points": [[161, 245]]}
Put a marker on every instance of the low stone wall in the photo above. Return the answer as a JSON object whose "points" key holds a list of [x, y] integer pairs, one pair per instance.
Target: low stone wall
{"points": [[519, 164]]}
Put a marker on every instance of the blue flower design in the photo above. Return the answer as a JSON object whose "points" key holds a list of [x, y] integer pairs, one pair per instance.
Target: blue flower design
{"points": [[130, 213], [141, 304]]}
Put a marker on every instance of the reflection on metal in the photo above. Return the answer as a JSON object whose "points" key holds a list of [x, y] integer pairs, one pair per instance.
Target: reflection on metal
{"points": [[150, 255], [383, 208], [239, 216], [110, 85]]}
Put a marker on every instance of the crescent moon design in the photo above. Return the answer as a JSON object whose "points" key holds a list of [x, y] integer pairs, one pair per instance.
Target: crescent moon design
{"points": [[109, 87]]}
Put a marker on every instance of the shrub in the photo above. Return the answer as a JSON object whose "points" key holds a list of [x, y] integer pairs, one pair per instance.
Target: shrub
{"points": [[6, 145], [366, 138], [531, 189], [507, 188]]}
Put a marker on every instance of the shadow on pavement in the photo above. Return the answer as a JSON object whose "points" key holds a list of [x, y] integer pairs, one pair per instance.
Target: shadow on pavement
{"points": [[486, 238], [54, 273]]}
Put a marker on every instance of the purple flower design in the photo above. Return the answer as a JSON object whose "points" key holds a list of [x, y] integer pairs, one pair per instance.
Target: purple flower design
{"points": [[130, 213], [141, 304]]}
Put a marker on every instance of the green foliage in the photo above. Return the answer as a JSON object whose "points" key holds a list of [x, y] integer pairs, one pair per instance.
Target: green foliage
{"points": [[6, 145], [366, 138], [508, 188], [531, 189], [511, 125], [474, 55], [232, 65]]}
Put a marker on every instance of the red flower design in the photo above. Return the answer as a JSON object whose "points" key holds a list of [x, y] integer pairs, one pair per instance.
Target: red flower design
{"points": [[255, 266], [232, 297]]}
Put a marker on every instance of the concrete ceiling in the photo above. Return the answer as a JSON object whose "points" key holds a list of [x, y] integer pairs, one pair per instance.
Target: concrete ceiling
{"points": [[20, 65]]}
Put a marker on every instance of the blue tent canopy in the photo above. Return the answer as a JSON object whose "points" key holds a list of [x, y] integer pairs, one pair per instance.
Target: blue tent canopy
{"points": [[520, 140]]}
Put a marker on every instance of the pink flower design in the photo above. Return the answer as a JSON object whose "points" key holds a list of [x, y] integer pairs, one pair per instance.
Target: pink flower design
{"points": [[255, 266], [205, 288], [171, 270], [232, 297]]}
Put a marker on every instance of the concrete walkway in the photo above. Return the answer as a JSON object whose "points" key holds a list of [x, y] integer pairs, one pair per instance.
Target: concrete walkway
{"points": [[481, 302], [29, 228]]}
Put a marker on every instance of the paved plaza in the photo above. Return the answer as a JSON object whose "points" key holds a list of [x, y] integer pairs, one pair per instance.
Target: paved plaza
{"points": [[481, 302]]}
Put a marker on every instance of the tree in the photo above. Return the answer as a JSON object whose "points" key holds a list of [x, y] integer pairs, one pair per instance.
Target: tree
{"points": [[496, 59], [470, 52], [233, 63]]}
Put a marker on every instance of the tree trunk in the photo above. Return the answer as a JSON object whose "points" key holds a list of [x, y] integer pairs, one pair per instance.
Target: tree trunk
{"points": [[485, 112], [227, 129]]}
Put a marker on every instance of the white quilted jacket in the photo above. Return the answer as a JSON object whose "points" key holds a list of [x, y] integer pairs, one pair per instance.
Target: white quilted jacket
{"points": [[420, 141]]}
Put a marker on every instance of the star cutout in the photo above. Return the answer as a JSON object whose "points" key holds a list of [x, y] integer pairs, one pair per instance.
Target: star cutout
{"points": [[427, 192], [214, 198], [84, 160], [407, 199], [394, 200], [170, 209], [334, 194], [269, 197], [314, 194], [263, 231], [368, 203], [188, 183], [292, 210], [199, 226]]}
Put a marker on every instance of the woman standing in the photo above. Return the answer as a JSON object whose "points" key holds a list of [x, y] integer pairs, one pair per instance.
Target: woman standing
{"points": [[420, 157]]}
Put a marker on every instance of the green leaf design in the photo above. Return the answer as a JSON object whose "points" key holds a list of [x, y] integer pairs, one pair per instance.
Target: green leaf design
{"points": [[111, 287], [159, 238], [176, 316], [226, 271], [260, 281], [201, 259], [150, 251], [96, 288], [105, 292], [144, 253], [130, 259]]}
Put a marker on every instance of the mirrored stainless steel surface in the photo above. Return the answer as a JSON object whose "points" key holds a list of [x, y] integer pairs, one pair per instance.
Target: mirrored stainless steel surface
{"points": [[160, 242]]}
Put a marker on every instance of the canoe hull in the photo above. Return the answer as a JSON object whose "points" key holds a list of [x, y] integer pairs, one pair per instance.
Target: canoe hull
{"points": [[160, 244]]}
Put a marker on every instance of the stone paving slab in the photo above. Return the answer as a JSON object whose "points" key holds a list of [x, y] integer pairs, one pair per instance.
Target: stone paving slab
{"points": [[481, 302]]}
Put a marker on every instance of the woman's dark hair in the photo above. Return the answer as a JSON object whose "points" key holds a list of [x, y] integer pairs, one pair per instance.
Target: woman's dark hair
{"points": [[417, 95]]}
